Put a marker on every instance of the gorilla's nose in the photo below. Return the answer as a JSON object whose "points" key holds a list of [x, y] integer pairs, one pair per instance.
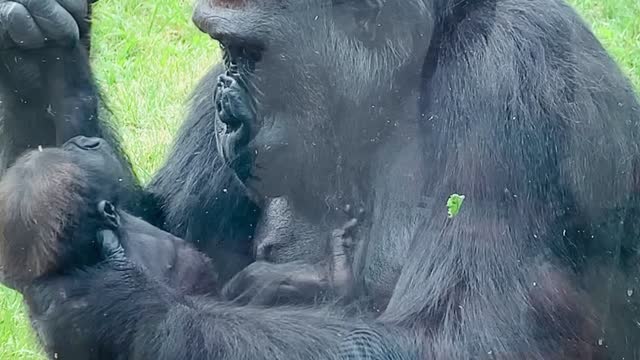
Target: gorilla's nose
{"points": [[87, 143]]}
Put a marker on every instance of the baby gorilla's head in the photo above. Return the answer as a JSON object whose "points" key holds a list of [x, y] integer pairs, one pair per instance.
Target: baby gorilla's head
{"points": [[53, 203], [48, 209]]}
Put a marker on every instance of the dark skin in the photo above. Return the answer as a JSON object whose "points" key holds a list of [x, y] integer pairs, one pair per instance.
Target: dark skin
{"points": [[393, 106]]}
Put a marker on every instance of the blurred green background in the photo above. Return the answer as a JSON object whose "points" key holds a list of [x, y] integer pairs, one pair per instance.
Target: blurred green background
{"points": [[147, 56]]}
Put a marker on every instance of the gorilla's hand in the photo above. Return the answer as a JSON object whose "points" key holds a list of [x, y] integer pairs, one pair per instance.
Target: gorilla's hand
{"points": [[342, 244], [32, 24], [268, 284], [264, 283]]}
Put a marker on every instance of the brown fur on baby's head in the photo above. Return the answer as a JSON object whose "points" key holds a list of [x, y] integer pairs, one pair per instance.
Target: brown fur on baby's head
{"points": [[39, 199]]}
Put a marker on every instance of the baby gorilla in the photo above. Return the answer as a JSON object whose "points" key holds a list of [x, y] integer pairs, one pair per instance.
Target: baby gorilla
{"points": [[53, 204]]}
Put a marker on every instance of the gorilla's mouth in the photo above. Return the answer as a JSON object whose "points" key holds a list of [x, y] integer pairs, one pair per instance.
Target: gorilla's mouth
{"points": [[240, 59]]}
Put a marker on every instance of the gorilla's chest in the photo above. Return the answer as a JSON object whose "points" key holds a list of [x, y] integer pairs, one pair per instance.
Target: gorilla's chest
{"points": [[381, 256]]}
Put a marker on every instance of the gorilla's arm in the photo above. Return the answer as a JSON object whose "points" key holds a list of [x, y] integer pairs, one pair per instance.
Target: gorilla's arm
{"points": [[115, 311], [47, 94]]}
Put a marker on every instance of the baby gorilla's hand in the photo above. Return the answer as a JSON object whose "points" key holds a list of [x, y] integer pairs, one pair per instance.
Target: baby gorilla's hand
{"points": [[112, 250]]}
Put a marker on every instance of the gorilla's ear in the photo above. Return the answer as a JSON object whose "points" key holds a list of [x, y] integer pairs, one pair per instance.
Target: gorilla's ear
{"points": [[109, 214]]}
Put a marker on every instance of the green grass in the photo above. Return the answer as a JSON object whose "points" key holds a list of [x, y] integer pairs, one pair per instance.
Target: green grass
{"points": [[617, 24], [147, 57]]}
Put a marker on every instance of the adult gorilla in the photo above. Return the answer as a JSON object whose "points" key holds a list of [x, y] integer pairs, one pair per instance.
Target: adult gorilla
{"points": [[392, 106]]}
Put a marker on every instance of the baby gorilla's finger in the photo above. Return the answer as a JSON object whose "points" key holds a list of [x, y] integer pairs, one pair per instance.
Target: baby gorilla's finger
{"points": [[110, 245], [18, 28], [54, 20]]}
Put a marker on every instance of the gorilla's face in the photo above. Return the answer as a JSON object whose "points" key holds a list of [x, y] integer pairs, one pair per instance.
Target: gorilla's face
{"points": [[309, 81]]}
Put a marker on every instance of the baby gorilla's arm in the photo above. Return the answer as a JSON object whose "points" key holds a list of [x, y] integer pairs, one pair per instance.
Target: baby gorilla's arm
{"points": [[115, 310]]}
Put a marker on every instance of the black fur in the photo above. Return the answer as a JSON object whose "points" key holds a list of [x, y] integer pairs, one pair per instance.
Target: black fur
{"points": [[513, 103], [156, 323]]}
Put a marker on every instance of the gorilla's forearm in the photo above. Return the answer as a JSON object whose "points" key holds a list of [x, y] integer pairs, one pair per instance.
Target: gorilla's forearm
{"points": [[102, 313], [48, 97], [47, 93], [82, 318]]}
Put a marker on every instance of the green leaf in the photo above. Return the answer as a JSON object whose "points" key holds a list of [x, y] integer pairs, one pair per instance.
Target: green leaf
{"points": [[454, 203]]}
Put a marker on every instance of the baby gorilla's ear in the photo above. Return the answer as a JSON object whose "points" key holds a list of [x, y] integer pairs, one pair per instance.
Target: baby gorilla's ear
{"points": [[109, 214]]}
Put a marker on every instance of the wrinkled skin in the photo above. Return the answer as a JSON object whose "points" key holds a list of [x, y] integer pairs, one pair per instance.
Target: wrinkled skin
{"points": [[392, 106]]}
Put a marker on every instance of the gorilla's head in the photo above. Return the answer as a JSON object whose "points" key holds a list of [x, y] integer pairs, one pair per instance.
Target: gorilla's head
{"points": [[328, 80]]}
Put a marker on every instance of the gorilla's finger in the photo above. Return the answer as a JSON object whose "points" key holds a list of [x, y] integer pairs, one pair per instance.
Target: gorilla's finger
{"points": [[110, 244], [364, 344], [77, 8], [270, 294], [234, 288], [54, 20], [19, 27]]}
